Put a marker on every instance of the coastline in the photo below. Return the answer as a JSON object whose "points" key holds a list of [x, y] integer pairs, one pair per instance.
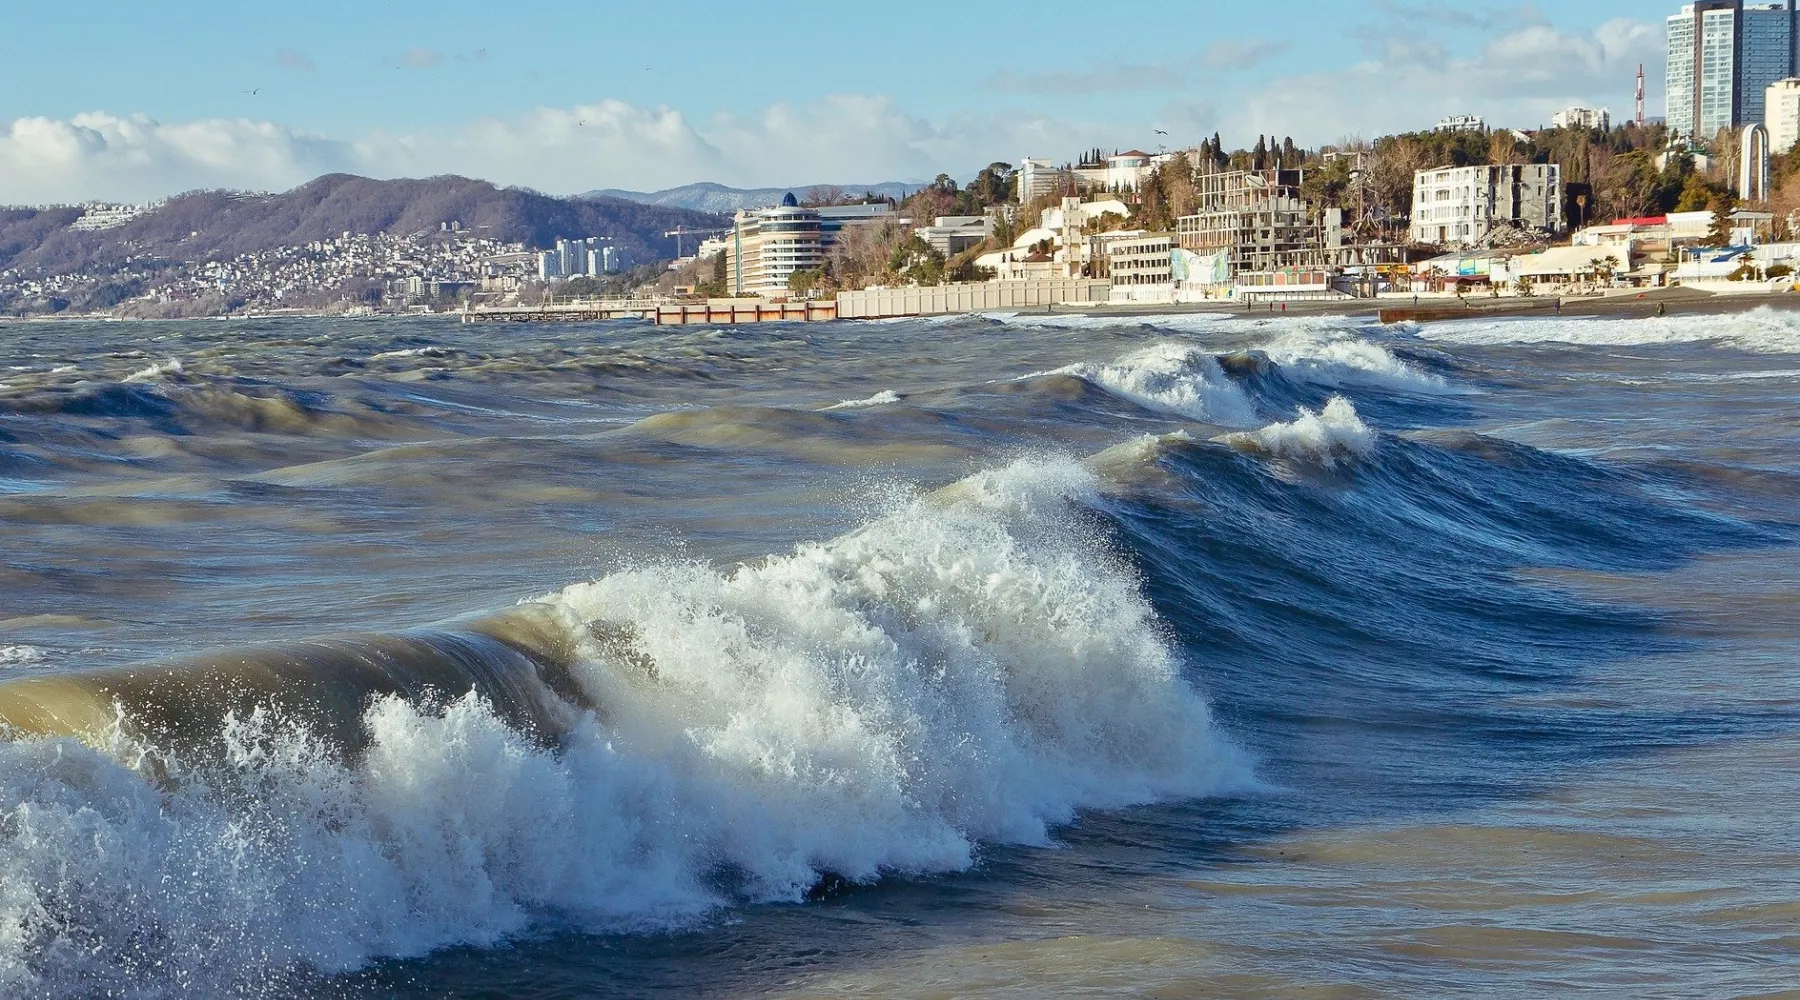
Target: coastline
{"points": [[1437, 309]]}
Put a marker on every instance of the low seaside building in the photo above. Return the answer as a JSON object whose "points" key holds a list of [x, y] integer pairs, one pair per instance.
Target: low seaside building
{"points": [[953, 234], [1139, 258]]}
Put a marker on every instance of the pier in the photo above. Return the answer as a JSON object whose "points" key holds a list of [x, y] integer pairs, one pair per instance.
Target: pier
{"points": [[662, 313]]}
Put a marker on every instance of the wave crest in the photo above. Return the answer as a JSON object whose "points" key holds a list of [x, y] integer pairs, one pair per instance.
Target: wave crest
{"points": [[1332, 435]]}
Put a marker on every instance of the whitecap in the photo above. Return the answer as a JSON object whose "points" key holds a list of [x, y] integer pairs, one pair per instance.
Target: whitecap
{"points": [[1330, 436], [13, 656], [1175, 378], [885, 397], [169, 367]]}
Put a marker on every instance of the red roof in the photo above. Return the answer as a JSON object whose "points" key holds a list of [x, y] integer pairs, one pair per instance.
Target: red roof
{"points": [[1140, 154], [1648, 220]]}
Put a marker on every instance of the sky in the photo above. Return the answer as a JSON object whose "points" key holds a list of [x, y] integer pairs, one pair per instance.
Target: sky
{"points": [[127, 101]]}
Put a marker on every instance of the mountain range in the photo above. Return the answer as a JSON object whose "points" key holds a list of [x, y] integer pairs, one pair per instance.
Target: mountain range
{"points": [[719, 199], [205, 225]]}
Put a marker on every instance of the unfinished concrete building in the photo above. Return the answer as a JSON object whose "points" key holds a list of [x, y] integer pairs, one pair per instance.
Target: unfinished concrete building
{"points": [[1260, 220]]}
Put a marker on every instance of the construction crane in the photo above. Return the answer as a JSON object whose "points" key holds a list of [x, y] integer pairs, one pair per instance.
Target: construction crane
{"points": [[680, 231]]}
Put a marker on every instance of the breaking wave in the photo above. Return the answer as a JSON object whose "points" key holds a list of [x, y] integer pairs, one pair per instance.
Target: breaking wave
{"points": [[155, 371], [971, 667], [1175, 378], [1332, 435], [886, 397]]}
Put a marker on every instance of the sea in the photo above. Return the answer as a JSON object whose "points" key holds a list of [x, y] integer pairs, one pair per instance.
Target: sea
{"points": [[993, 656]]}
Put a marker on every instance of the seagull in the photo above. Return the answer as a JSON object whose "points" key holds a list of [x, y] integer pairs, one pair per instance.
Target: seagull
{"points": [[253, 93], [1160, 132]]}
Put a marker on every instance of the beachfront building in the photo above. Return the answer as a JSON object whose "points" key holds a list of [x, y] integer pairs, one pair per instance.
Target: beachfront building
{"points": [[1723, 56], [1781, 113], [767, 245], [1461, 123], [1594, 118], [1260, 221], [1139, 258], [1464, 205]]}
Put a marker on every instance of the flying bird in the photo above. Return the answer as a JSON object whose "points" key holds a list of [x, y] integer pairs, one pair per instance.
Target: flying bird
{"points": [[1160, 132], [253, 93]]}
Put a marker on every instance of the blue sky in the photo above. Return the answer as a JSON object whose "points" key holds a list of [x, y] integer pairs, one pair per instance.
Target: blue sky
{"points": [[134, 101]]}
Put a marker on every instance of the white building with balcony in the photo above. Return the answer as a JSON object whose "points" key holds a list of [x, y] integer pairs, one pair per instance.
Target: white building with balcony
{"points": [[1462, 205], [1594, 118]]}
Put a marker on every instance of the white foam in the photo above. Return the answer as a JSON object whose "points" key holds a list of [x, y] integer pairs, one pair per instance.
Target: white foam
{"points": [[1331, 436], [1762, 330], [12, 656], [885, 397], [968, 668], [1176, 378], [412, 352], [169, 367], [1328, 351]]}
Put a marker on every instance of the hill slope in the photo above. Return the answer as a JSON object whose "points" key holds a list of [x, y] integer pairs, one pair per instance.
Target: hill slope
{"points": [[216, 224], [709, 197]]}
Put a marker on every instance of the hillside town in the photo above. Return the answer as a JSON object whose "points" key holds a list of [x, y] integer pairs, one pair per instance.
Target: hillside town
{"points": [[1581, 206]]}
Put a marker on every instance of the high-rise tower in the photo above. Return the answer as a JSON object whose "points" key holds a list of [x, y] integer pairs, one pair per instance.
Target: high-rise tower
{"points": [[1723, 54]]}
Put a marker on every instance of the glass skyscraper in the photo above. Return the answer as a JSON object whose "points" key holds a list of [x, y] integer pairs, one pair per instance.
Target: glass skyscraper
{"points": [[1723, 55]]}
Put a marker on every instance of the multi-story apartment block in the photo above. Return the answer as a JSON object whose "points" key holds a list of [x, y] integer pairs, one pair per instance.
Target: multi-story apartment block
{"points": [[1462, 205], [1781, 114], [1723, 56], [1595, 118], [1141, 259]]}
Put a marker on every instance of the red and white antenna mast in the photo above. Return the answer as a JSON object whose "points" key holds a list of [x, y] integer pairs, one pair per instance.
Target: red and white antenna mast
{"points": [[1640, 96]]}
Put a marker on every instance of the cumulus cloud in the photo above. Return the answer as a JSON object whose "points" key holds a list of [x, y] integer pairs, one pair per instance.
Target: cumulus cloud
{"points": [[295, 62], [607, 144], [1520, 76], [137, 158]]}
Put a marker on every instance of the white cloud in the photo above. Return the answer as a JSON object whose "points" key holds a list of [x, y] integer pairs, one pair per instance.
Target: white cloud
{"points": [[841, 138], [1523, 74], [137, 158], [1518, 79]]}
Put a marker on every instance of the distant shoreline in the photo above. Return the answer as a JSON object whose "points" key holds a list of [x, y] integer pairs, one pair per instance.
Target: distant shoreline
{"points": [[1676, 301]]}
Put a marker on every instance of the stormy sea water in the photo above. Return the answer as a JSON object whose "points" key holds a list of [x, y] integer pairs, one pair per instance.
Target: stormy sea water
{"points": [[997, 656]]}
